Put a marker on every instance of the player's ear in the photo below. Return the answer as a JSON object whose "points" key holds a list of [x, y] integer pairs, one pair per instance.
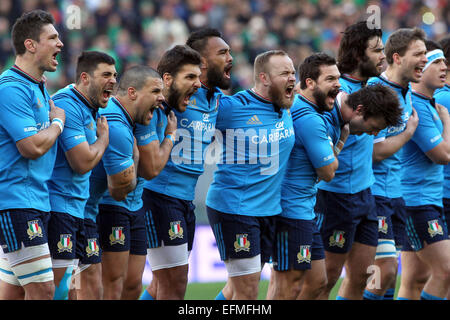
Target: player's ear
{"points": [[132, 93], [30, 45], [263, 78], [203, 63], [310, 83], [167, 79]]}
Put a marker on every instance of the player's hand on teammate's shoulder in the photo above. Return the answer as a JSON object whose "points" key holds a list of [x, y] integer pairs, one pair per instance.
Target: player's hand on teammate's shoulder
{"points": [[345, 131], [443, 112]]}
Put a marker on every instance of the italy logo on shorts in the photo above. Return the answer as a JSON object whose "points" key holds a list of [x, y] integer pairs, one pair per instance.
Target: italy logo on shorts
{"points": [[92, 248], [34, 230], [304, 255], [241, 243], [117, 236], [175, 231], [65, 244], [337, 239], [434, 228], [382, 224]]}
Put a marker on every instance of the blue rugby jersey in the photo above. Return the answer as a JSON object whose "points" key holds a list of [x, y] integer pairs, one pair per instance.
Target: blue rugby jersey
{"points": [[442, 96], [256, 142], [195, 129], [24, 112], [388, 171], [117, 157], [313, 149], [354, 173], [422, 179], [69, 190]]}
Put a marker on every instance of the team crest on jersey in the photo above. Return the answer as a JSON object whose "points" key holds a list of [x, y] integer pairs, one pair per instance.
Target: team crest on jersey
{"points": [[242, 243], [34, 230], [382, 225], [117, 236], [92, 248], [304, 254], [337, 239], [65, 243], [434, 228], [175, 231]]}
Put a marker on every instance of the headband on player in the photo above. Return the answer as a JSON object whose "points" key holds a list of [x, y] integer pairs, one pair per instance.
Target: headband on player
{"points": [[432, 56]]}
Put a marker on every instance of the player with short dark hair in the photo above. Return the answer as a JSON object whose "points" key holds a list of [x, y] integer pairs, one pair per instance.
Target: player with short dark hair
{"points": [[80, 148], [30, 124]]}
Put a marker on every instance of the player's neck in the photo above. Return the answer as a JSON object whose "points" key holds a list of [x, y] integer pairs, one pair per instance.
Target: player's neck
{"points": [[128, 105], [262, 91], [357, 75], [30, 67], [394, 75], [204, 80], [308, 95], [423, 89], [346, 110], [84, 91]]}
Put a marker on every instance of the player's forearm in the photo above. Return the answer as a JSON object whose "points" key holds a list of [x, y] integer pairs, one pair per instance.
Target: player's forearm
{"points": [[152, 163], [37, 145], [388, 147], [96, 151], [122, 183]]}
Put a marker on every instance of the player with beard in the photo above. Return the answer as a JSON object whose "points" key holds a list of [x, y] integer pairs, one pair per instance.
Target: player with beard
{"points": [[256, 135], [168, 196], [360, 56], [422, 185], [298, 248], [30, 124], [405, 54], [114, 181], [81, 147]]}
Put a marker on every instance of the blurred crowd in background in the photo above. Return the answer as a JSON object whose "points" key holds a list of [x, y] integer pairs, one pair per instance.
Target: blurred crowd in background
{"points": [[135, 31]]}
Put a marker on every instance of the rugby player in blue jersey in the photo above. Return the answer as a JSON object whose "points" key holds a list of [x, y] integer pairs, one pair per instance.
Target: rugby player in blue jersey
{"points": [[256, 134], [422, 184], [80, 148], [168, 197], [298, 248], [114, 181], [354, 240], [30, 124], [442, 96], [405, 55]]}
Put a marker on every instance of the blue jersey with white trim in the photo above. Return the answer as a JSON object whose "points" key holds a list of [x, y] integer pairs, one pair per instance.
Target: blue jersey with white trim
{"points": [[195, 130], [313, 149], [354, 173], [388, 171], [24, 112], [255, 142], [442, 96], [68, 189], [422, 180]]}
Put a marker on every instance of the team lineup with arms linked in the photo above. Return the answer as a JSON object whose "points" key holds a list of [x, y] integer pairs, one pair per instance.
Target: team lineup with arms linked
{"points": [[339, 162]]}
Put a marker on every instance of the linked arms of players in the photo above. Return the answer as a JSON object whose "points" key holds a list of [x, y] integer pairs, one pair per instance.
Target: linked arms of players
{"points": [[386, 148], [84, 157], [37, 145], [154, 156]]}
